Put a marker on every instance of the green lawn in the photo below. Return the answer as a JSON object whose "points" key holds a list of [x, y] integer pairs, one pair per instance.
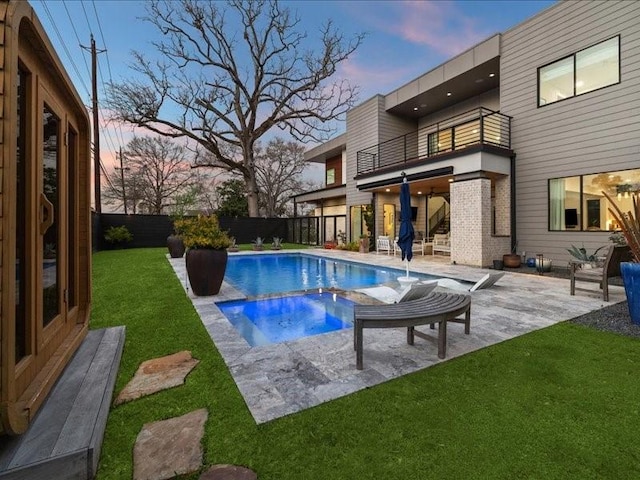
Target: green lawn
{"points": [[560, 403]]}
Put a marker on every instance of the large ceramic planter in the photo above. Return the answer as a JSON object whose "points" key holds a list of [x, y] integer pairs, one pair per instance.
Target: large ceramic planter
{"points": [[205, 268], [512, 260], [631, 278], [175, 246], [364, 245]]}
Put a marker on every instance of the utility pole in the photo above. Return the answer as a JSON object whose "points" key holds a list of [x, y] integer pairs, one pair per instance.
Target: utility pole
{"points": [[96, 129], [124, 189]]}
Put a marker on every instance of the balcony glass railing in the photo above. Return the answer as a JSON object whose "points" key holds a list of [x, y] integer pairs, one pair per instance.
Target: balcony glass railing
{"points": [[478, 126]]}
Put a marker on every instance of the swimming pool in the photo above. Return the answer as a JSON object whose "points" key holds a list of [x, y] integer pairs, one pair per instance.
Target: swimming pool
{"points": [[287, 272], [276, 320]]}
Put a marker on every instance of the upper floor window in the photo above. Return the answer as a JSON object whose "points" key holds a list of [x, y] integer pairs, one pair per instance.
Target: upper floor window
{"points": [[587, 70], [331, 176]]}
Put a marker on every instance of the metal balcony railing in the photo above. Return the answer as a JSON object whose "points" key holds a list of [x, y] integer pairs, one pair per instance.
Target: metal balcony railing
{"points": [[477, 126]]}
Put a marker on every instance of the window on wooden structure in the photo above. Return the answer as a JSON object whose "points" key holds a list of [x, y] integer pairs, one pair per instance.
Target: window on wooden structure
{"points": [[21, 343], [585, 71], [72, 247], [51, 215]]}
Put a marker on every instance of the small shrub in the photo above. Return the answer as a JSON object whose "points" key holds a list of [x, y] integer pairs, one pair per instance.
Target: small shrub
{"points": [[117, 235]]}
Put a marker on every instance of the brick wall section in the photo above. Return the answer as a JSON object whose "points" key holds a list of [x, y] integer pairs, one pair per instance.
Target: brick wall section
{"points": [[503, 205], [472, 242]]}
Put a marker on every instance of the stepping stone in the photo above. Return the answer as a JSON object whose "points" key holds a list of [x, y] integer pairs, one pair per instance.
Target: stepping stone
{"points": [[158, 374], [170, 447], [228, 472]]}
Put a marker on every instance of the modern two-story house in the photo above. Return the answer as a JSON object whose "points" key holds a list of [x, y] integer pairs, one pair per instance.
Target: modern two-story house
{"points": [[508, 146]]}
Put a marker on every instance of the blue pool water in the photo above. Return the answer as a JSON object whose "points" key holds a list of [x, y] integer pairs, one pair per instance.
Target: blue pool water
{"points": [[275, 320], [266, 274]]}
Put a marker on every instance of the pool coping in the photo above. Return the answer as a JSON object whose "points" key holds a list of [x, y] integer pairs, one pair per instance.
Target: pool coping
{"points": [[285, 378]]}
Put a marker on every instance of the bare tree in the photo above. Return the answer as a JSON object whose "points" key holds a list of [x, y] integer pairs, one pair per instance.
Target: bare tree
{"points": [[279, 170], [232, 72], [155, 171]]}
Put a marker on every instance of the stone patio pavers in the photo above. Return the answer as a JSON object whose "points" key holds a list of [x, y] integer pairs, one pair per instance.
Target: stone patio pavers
{"points": [[280, 379], [158, 374], [170, 447]]}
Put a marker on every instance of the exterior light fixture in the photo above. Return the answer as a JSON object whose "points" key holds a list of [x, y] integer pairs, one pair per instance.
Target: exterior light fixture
{"points": [[448, 94], [451, 180], [419, 193], [415, 108], [491, 75], [387, 189]]}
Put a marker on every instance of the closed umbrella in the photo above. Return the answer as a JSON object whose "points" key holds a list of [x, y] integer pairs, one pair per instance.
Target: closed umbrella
{"points": [[406, 236]]}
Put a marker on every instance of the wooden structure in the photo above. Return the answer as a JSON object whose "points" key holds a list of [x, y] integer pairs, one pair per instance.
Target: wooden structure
{"points": [[435, 308], [45, 236], [611, 268]]}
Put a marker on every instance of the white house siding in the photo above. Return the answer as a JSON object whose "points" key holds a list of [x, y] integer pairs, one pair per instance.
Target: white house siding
{"points": [[595, 132], [368, 124]]}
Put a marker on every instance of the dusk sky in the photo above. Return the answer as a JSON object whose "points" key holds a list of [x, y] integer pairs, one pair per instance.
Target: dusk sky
{"points": [[404, 38]]}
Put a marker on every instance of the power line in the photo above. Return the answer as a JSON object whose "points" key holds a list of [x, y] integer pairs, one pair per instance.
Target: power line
{"points": [[73, 26], [64, 46]]}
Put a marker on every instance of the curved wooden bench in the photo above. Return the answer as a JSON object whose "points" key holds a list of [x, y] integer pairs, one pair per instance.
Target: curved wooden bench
{"points": [[435, 308]]}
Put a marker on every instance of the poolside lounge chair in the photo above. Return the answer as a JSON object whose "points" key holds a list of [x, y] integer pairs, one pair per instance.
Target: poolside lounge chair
{"points": [[437, 307], [389, 295], [487, 281], [610, 268], [383, 244]]}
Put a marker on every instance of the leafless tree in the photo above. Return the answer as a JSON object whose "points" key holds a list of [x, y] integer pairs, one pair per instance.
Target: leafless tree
{"points": [[279, 170], [155, 171], [231, 72]]}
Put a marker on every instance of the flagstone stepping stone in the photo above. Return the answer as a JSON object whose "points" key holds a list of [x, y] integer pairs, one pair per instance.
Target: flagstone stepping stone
{"points": [[228, 472], [170, 447], [158, 374]]}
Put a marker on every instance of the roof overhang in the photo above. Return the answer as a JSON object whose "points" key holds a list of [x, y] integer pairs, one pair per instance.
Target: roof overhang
{"points": [[329, 149], [322, 194], [469, 74]]}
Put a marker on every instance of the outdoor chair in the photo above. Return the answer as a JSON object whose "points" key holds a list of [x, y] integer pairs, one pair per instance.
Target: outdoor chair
{"points": [[437, 307], [417, 246], [383, 244], [441, 243], [389, 295], [579, 270], [487, 281]]}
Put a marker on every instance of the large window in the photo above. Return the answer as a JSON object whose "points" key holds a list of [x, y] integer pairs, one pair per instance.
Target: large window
{"points": [[587, 70], [578, 204]]}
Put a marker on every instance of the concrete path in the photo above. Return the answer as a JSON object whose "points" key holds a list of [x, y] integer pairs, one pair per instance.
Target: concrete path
{"points": [[281, 379]]}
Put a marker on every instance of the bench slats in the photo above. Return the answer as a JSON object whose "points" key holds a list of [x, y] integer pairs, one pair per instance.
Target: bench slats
{"points": [[438, 307]]}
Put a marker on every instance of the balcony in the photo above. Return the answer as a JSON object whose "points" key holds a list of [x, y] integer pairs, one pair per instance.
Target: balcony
{"points": [[480, 126]]}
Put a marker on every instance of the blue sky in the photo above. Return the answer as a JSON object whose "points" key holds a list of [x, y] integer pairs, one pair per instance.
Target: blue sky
{"points": [[404, 38]]}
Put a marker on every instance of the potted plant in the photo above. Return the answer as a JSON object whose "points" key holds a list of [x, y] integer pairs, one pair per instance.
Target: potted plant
{"points": [[206, 257], [258, 244], [364, 243], [277, 243], [117, 236], [512, 260], [233, 247], [586, 259], [174, 241], [630, 226]]}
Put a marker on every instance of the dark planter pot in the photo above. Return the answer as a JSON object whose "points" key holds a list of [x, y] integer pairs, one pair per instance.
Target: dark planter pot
{"points": [[206, 268], [631, 277], [498, 265], [512, 260], [175, 246]]}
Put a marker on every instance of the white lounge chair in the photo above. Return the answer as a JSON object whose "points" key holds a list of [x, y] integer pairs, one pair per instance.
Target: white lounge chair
{"points": [[389, 295], [441, 243], [485, 282], [383, 244]]}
